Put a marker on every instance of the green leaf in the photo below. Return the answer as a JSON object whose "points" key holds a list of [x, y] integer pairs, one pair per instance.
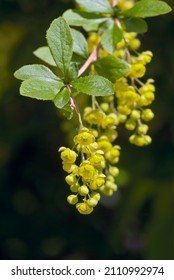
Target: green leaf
{"points": [[62, 98], [111, 37], [67, 112], [60, 43], [80, 46], [89, 22], [137, 25], [35, 71], [94, 85], [78, 60], [97, 6], [72, 72], [40, 89], [148, 8], [44, 54], [111, 67]]}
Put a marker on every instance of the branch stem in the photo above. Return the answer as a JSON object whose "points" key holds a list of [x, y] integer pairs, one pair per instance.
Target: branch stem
{"points": [[74, 105], [91, 58], [114, 3]]}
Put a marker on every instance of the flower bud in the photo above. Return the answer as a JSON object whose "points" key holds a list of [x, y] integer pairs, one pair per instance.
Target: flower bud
{"points": [[114, 171], [92, 202], [142, 129], [72, 199], [83, 190], [70, 179], [147, 115]]}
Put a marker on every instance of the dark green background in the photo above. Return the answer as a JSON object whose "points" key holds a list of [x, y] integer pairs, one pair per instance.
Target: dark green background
{"points": [[35, 220]]}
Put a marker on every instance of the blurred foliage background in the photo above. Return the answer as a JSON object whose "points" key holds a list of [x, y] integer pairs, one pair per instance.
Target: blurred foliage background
{"points": [[35, 220]]}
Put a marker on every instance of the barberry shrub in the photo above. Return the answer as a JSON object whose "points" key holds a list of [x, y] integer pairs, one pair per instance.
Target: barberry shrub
{"points": [[94, 50]]}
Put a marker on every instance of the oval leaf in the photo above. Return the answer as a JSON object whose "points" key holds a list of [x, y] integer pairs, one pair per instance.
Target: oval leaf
{"points": [[62, 98], [97, 6], [148, 8], [111, 67], [111, 37], [80, 46], [89, 22], [60, 43], [44, 54], [35, 71], [40, 89], [137, 25], [94, 85]]}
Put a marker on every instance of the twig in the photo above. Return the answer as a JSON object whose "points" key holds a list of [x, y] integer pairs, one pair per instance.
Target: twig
{"points": [[73, 104], [115, 2], [117, 22], [90, 59]]}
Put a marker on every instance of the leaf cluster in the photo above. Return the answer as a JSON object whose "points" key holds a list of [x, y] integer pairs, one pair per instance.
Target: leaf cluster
{"points": [[67, 50]]}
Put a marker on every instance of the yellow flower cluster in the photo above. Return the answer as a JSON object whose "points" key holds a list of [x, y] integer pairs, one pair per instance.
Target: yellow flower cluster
{"points": [[87, 179], [132, 95], [104, 122]]}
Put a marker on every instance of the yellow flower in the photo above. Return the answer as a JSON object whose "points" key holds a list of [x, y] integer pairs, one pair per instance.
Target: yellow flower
{"points": [[84, 208], [147, 87], [127, 98], [94, 117], [106, 191], [68, 156], [95, 195], [121, 85], [89, 148], [124, 110], [97, 160], [130, 124], [147, 115], [125, 4], [142, 129], [146, 99], [93, 40], [104, 144], [138, 70], [114, 171], [84, 138], [70, 179], [140, 140], [134, 44], [113, 155], [83, 190], [103, 53], [111, 134], [69, 167], [110, 121], [72, 199], [74, 188], [145, 57], [87, 171], [135, 114], [92, 202], [97, 183]]}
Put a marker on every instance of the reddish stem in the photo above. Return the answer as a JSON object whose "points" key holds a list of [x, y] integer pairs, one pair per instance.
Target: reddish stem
{"points": [[117, 22], [90, 59], [73, 104], [115, 2]]}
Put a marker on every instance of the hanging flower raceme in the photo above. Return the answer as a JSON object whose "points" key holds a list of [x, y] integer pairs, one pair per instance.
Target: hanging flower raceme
{"points": [[87, 178]]}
